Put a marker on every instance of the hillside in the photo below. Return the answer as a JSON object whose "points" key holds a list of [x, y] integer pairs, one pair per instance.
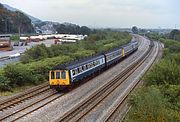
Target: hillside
{"points": [[14, 21], [33, 19]]}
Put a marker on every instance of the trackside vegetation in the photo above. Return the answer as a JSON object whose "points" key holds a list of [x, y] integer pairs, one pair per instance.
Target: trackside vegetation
{"points": [[159, 99], [37, 61]]}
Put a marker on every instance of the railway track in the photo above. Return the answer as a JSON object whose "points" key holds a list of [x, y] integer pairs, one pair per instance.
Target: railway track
{"points": [[115, 110], [12, 101], [10, 113], [81, 109], [158, 57], [32, 107]]}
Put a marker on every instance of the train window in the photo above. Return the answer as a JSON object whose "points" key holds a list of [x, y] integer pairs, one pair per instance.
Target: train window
{"points": [[89, 65], [63, 75], [86, 66], [57, 75], [73, 72], [99, 61], [82, 68], [52, 75], [78, 70], [94, 63]]}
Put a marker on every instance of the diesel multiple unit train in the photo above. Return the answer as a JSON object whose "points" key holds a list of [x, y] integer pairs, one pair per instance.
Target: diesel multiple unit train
{"points": [[66, 75]]}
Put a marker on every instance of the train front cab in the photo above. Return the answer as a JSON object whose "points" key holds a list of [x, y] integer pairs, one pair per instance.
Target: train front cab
{"points": [[59, 79]]}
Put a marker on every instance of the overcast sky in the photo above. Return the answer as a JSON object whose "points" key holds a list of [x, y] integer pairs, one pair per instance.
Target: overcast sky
{"points": [[104, 13]]}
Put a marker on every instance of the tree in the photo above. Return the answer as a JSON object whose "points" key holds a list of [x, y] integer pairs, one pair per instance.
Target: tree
{"points": [[174, 34], [135, 30], [72, 29], [85, 30], [11, 22]]}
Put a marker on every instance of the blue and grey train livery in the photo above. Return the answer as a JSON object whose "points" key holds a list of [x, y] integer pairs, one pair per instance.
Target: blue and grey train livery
{"points": [[62, 76]]}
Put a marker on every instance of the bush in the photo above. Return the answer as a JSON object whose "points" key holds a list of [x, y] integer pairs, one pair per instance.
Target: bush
{"points": [[4, 83], [165, 72], [95, 43], [14, 38], [31, 73], [172, 45], [172, 94], [19, 74], [149, 105]]}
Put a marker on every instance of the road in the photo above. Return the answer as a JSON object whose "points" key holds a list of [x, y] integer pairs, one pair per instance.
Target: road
{"points": [[19, 50]]}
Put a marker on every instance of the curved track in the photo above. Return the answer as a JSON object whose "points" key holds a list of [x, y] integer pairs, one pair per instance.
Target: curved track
{"points": [[42, 95], [93, 100]]}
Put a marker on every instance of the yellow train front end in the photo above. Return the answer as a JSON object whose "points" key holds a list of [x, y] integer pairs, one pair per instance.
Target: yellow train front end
{"points": [[59, 79]]}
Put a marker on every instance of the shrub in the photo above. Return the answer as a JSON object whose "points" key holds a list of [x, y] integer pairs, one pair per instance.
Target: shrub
{"points": [[32, 73], [165, 72], [172, 94], [149, 105], [18, 74], [4, 83], [97, 43]]}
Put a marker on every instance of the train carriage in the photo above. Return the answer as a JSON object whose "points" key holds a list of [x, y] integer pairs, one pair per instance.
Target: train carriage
{"points": [[113, 56], [62, 76], [131, 47], [67, 74]]}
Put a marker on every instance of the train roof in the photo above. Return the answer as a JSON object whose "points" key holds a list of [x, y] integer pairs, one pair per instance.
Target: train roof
{"points": [[79, 62], [117, 48]]}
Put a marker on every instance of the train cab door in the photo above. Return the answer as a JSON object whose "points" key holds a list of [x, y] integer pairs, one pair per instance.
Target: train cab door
{"points": [[65, 78], [52, 78], [58, 77]]}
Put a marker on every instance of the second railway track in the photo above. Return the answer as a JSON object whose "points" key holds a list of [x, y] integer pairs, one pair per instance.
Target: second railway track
{"points": [[115, 111]]}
